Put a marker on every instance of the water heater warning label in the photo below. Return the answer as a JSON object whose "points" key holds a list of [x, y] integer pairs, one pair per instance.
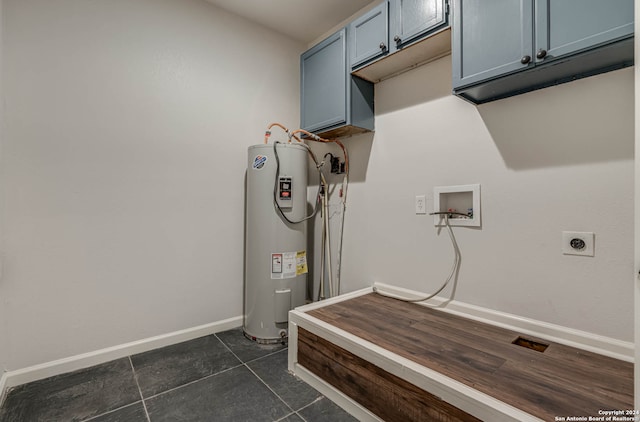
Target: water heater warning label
{"points": [[301, 263], [276, 263], [288, 264]]}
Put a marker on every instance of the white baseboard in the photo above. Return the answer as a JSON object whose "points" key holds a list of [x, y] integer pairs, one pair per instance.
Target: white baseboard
{"points": [[606, 346], [12, 379]]}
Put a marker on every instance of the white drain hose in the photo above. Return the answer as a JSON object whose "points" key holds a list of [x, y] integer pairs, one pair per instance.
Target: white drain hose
{"points": [[456, 263]]}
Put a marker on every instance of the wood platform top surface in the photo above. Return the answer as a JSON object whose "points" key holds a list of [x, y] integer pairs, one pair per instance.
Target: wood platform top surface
{"points": [[561, 381]]}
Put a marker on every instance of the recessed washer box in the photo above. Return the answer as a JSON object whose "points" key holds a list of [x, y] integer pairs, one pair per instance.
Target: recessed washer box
{"points": [[461, 198]]}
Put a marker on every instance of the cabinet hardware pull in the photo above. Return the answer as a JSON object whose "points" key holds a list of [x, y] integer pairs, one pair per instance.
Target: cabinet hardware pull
{"points": [[525, 59], [396, 38], [541, 54], [383, 46]]}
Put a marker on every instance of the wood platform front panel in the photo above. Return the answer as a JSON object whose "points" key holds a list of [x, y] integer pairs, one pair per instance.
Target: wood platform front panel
{"points": [[384, 394], [561, 381]]}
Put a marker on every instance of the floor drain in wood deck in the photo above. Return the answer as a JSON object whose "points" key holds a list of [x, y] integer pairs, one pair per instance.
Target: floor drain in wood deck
{"points": [[530, 344]]}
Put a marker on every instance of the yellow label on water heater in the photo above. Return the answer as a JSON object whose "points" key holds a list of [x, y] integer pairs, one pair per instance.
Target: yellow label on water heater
{"points": [[301, 263]]}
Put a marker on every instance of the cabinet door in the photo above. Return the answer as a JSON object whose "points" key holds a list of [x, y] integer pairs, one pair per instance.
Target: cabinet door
{"points": [[568, 26], [323, 84], [369, 36], [414, 18], [490, 38]]}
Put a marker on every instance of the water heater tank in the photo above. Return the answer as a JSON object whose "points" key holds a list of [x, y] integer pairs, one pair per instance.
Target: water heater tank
{"points": [[275, 250]]}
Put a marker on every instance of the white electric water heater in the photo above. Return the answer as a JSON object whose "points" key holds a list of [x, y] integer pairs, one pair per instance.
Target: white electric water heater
{"points": [[275, 239]]}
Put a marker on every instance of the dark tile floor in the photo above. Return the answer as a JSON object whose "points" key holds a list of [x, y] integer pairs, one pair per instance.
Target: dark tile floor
{"points": [[221, 377]]}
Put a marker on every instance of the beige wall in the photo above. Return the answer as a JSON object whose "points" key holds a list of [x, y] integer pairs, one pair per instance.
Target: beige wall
{"points": [[123, 151], [558, 159], [124, 140]]}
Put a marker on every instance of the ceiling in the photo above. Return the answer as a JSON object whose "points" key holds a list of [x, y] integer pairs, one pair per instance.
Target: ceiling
{"points": [[302, 20]]}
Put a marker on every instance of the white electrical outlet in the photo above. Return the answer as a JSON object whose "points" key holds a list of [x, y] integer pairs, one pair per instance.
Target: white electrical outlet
{"points": [[421, 204], [578, 243]]}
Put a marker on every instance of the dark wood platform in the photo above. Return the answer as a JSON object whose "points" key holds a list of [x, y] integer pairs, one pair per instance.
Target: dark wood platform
{"points": [[560, 381]]}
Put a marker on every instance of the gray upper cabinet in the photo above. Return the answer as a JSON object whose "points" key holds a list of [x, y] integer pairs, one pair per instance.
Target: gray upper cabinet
{"points": [[333, 103], [324, 83], [396, 35], [369, 36], [411, 19], [567, 26], [337, 75], [502, 48], [486, 44]]}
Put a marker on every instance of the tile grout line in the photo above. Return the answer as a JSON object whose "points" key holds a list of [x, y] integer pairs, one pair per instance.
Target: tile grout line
{"points": [[194, 381], [110, 411], [266, 356], [239, 364], [269, 388], [252, 360], [229, 349], [135, 377], [297, 412], [256, 375], [291, 414], [313, 402]]}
